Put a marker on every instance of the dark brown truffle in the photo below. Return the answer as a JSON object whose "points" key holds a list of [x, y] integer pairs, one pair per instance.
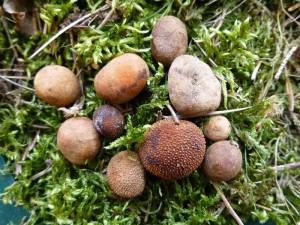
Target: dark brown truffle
{"points": [[172, 151], [222, 161], [109, 121], [78, 140], [126, 175]]}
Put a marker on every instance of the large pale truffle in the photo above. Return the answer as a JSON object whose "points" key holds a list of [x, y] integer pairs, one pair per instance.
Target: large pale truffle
{"points": [[169, 39], [122, 78], [193, 88], [172, 151], [126, 175]]}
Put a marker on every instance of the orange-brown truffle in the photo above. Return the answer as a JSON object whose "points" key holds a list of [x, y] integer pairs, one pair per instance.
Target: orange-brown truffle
{"points": [[172, 151], [109, 121], [122, 78], [56, 85], [78, 140], [223, 160], [126, 175]]}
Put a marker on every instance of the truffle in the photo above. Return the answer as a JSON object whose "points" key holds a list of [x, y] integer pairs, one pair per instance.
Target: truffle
{"points": [[126, 175], [217, 128], [172, 151]]}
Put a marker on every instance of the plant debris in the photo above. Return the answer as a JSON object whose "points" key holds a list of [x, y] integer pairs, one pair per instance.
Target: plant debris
{"points": [[253, 47]]}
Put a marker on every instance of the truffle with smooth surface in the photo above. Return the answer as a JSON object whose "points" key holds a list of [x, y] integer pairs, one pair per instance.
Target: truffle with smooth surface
{"points": [[56, 85], [223, 161], [217, 128], [78, 140]]}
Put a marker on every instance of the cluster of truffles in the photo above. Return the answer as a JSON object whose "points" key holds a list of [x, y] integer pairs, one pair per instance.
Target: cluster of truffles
{"points": [[170, 150]]}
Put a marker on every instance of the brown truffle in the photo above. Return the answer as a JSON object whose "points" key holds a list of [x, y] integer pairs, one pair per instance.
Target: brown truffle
{"points": [[56, 85], [126, 175], [217, 128], [172, 151], [109, 121], [169, 39], [122, 78], [222, 161], [78, 140]]}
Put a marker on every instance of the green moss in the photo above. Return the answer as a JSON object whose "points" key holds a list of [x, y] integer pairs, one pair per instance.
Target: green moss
{"points": [[267, 133]]}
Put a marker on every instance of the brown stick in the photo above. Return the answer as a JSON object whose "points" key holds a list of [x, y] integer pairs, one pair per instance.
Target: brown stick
{"points": [[227, 204]]}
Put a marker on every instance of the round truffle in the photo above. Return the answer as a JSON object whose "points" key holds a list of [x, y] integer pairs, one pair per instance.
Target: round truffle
{"points": [[126, 175], [56, 85], [78, 140], [109, 121], [222, 161], [194, 90], [217, 128], [122, 78], [172, 151], [170, 39]]}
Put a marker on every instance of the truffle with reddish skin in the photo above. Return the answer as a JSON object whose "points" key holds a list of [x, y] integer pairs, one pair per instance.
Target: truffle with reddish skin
{"points": [[122, 78], [109, 121], [223, 161], [172, 151], [170, 39], [126, 175], [78, 140], [56, 85], [217, 128]]}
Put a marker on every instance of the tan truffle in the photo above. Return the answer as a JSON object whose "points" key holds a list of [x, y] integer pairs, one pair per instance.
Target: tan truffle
{"points": [[122, 78], [217, 128], [109, 121], [169, 39], [56, 85], [78, 140], [223, 161], [126, 175], [172, 151]]}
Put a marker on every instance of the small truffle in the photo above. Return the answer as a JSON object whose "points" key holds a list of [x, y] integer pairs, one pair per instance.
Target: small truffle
{"points": [[78, 140], [223, 161], [194, 90], [170, 39], [56, 85], [122, 78], [217, 128], [172, 151], [109, 121], [126, 175]]}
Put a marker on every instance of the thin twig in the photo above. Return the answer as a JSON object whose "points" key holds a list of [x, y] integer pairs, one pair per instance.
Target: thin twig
{"points": [[227, 204], [284, 62], [290, 93], [255, 71], [28, 149], [204, 53], [173, 114], [104, 21], [15, 83], [12, 70], [67, 28], [290, 16], [43, 172], [215, 113], [289, 166], [9, 37]]}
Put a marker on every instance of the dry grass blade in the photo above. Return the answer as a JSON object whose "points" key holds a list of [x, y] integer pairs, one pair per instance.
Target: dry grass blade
{"points": [[15, 83]]}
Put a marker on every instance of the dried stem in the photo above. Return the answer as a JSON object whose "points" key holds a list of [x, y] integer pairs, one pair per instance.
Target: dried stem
{"points": [[105, 7], [173, 114], [284, 62], [227, 204], [15, 83], [110, 13], [43, 172]]}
